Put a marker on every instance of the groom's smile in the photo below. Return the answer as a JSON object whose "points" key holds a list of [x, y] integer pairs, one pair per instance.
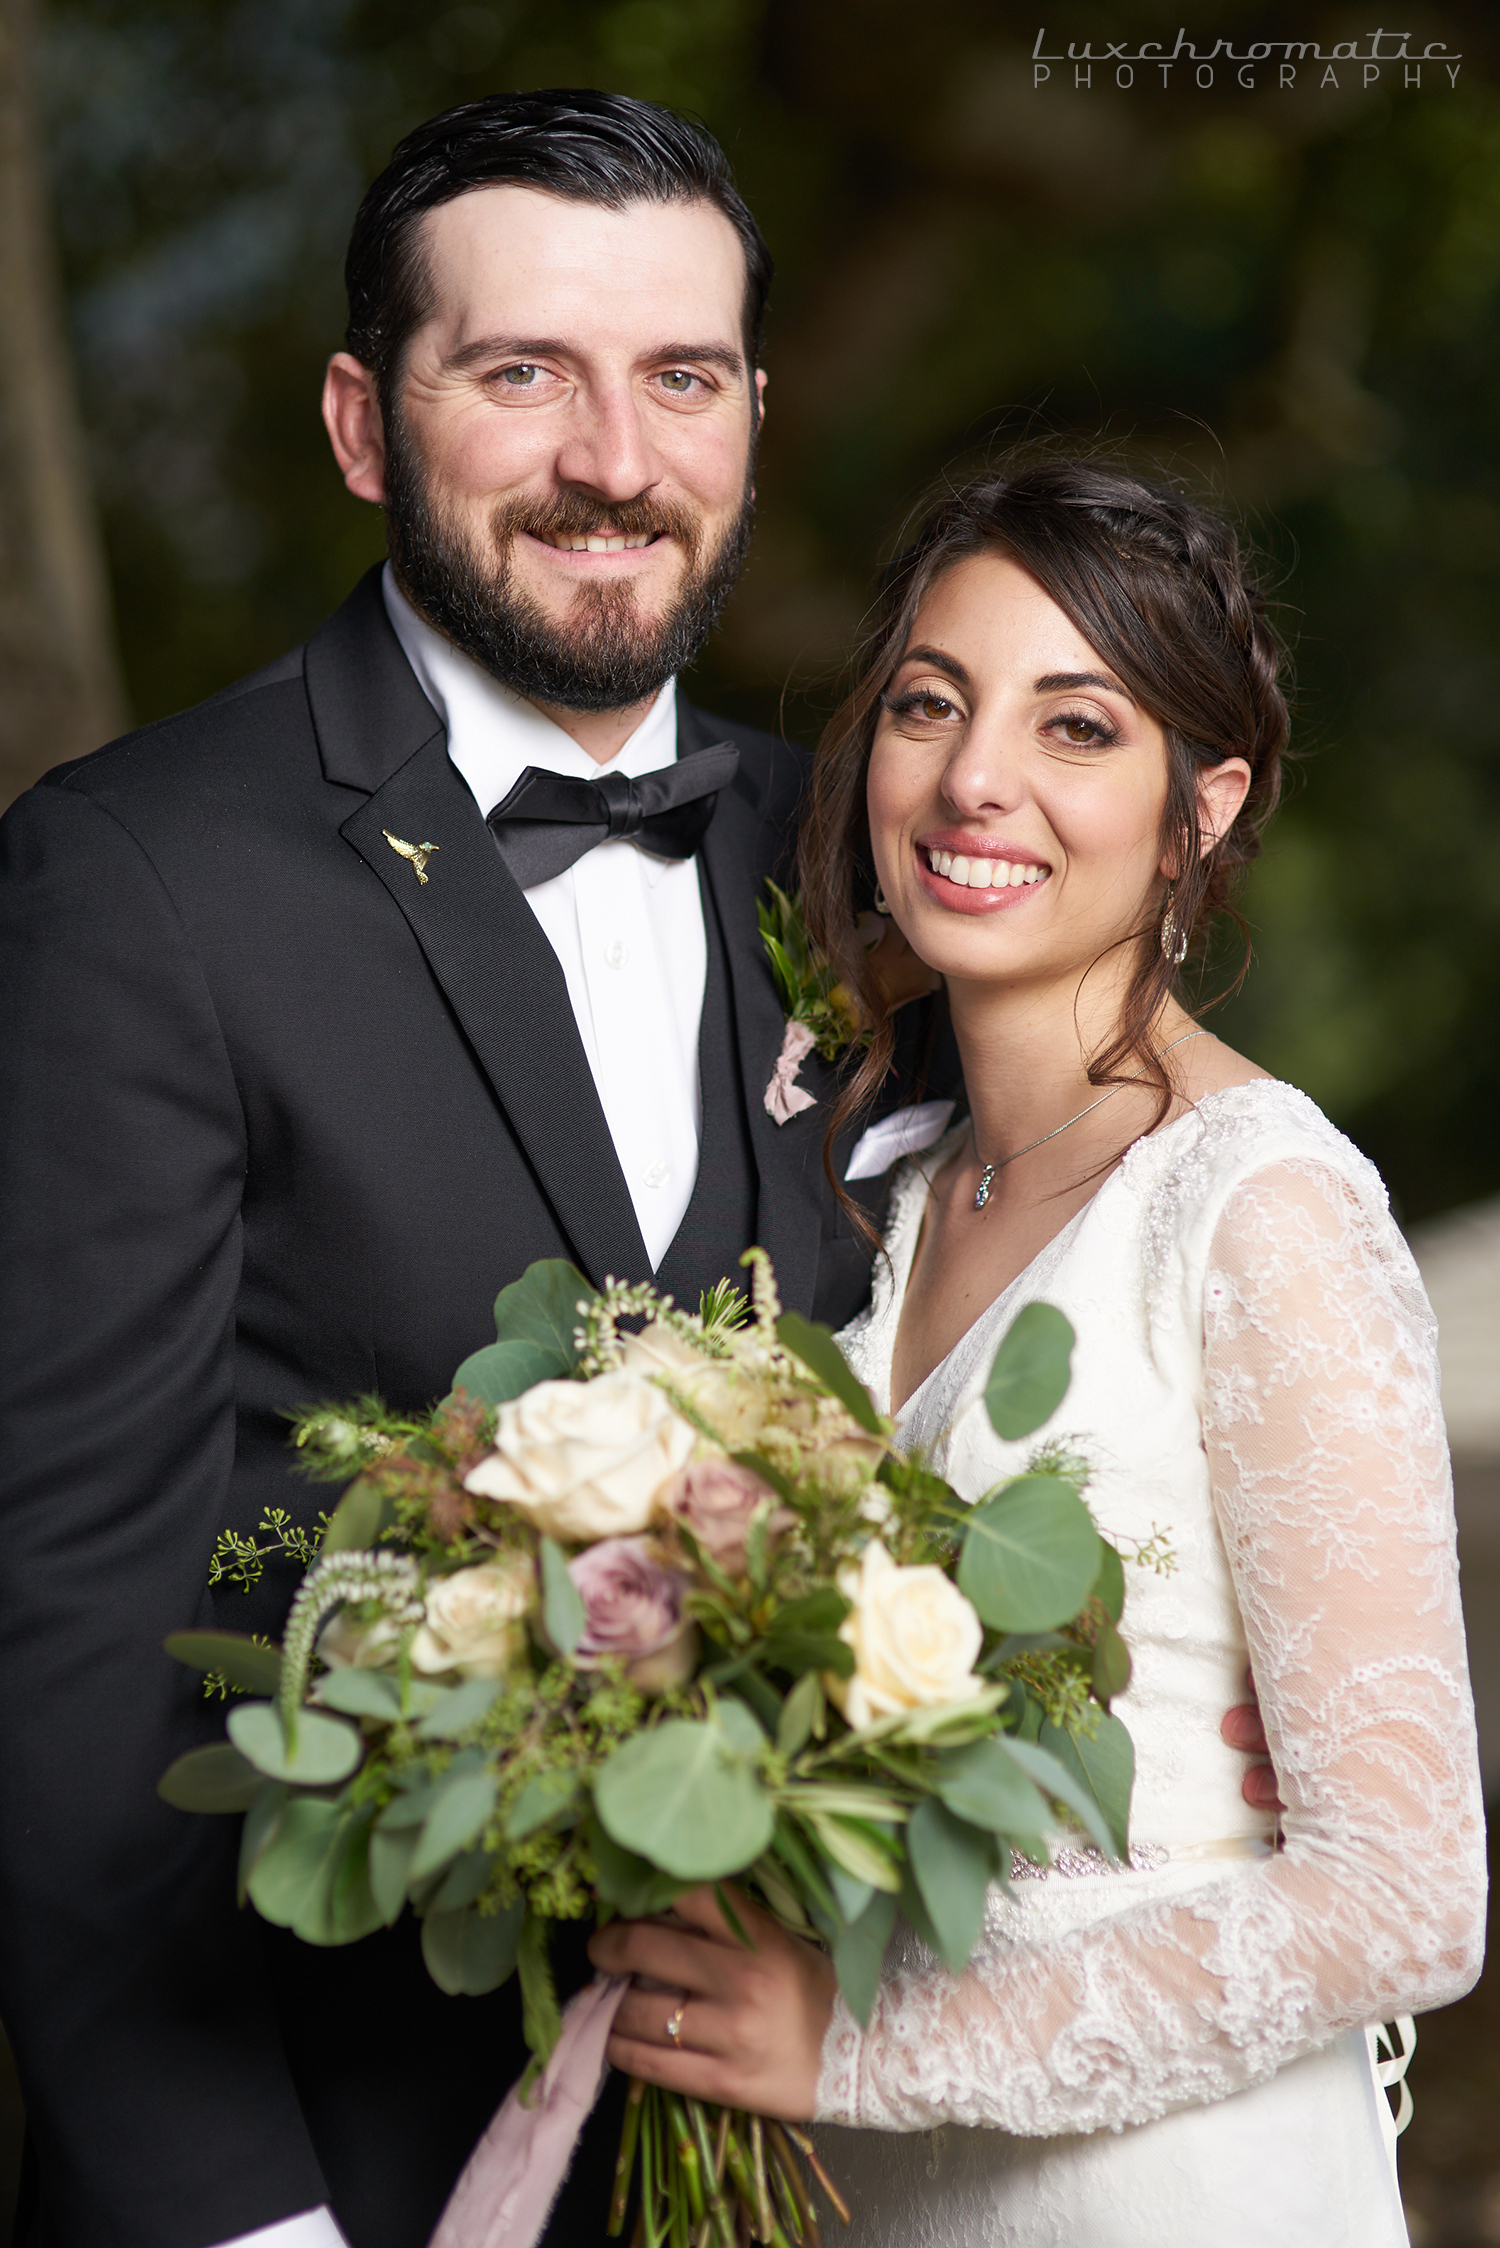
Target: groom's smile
{"points": [[565, 453]]}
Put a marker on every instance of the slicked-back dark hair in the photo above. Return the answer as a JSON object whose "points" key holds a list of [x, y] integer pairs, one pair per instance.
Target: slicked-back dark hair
{"points": [[570, 141]]}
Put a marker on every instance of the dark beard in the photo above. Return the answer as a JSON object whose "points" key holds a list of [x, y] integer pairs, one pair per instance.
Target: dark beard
{"points": [[606, 656]]}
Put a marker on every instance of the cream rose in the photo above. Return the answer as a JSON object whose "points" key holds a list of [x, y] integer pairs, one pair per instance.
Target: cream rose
{"points": [[585, 1460], [915, 1639], [344, 1644], [733, 1404], [474, 1620]]}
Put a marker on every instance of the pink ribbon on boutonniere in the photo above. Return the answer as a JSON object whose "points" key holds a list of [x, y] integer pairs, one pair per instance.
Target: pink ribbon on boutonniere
{"points": [[784, 1096]]}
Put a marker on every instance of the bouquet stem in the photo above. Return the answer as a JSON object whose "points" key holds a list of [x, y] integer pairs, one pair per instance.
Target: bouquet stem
{"points": [[713, 2177]]}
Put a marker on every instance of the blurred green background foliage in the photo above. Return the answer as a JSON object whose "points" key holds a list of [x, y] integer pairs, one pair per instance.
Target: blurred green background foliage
{"points": [[1287, 296]]}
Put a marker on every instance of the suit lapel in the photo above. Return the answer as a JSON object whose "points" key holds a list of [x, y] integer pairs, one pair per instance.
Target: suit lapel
{"points": [[378, 732], [739, 851]]}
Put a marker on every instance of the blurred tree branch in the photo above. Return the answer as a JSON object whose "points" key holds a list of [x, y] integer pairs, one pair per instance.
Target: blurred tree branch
{"points": [[59, 685]]}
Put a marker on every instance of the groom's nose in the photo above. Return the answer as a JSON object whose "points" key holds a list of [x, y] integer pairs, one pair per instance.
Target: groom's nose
{"points": [[606, 447]]}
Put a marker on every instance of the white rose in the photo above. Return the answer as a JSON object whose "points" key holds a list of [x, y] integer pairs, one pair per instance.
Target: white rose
{"points": [[915, 1639], [731, 1402], [474, 1620], [344, 1644], [585, 1460]]}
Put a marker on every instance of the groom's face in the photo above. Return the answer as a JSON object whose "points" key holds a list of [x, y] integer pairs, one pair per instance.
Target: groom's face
{"points": [[567, 474]]}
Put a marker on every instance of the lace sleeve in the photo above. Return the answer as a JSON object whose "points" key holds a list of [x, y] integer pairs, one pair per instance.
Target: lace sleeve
{"points": [[1330, 1479]]}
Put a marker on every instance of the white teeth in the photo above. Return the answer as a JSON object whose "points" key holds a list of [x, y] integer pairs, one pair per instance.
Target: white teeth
{"points": [[1033, 874], [1016, 874], [959, 871], [979, 874]]}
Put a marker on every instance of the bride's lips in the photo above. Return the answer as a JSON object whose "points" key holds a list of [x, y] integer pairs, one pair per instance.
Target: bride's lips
{"points": [[977, 873]]}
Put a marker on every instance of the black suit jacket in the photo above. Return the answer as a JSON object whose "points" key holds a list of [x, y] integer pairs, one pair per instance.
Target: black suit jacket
{"points": [[276, 1123]]}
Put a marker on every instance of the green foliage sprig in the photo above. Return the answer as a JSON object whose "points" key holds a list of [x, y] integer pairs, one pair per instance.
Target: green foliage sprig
{"points": [[810, 990]]}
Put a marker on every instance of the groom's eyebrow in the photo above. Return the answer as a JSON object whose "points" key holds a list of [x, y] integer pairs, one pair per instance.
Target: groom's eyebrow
{"points": [[557, 347], [1055, 682]]}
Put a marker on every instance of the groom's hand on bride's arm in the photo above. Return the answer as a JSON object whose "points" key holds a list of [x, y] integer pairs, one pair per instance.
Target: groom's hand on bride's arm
{"points": [[750, 2024], [1242, 1729]]}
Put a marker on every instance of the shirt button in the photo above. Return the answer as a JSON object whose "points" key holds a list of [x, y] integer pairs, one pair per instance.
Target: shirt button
{"points": [[656, 1174], [616, 953]]}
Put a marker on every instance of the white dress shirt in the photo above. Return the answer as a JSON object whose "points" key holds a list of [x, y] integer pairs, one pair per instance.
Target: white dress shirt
{"points": [[627, 928]]}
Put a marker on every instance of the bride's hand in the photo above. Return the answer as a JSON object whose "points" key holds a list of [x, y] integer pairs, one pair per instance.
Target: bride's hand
{"points": [[750, 2024]]}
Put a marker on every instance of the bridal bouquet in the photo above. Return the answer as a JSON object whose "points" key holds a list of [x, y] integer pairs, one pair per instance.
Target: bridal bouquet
{"points": [[651, 1600]]}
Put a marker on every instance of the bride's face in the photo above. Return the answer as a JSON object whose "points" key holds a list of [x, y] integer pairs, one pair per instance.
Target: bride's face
{"points": [[1016, 792]]}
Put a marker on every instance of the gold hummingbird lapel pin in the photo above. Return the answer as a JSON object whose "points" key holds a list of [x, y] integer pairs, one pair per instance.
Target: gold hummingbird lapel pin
{"points": [[417, 853]]}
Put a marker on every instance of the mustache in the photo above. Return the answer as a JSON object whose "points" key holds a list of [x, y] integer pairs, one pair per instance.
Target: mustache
{"points": [[578, 515]]}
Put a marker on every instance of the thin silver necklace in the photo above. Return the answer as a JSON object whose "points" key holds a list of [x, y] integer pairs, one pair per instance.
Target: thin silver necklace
{"points": [[987, 1175]]}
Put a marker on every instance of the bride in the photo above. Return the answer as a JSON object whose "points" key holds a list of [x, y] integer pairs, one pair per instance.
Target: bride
{"points": [[1062, 747]]}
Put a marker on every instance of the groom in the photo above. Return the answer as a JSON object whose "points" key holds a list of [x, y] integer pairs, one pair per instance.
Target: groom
{"points": [[325, 1021]]}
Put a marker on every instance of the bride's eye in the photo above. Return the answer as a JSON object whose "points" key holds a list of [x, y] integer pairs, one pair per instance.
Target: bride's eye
{"points": [[924, 704], [1080, 731]]}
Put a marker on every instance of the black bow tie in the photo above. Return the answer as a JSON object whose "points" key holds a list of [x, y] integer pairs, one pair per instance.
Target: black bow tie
{"points": [[549, 821]]}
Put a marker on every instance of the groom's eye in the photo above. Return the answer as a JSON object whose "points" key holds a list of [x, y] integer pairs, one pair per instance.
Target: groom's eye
{"points": [[520, 378], [678, 381]]}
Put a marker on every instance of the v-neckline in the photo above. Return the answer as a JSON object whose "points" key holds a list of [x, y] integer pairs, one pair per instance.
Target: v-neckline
{"points": [[901, 1271]]}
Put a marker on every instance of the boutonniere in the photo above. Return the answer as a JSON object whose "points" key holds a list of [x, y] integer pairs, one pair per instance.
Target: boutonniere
{"points": [[821, 1013]]}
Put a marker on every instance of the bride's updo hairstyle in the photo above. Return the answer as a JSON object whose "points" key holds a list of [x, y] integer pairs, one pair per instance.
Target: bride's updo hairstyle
{"points": [[1159, 589]]}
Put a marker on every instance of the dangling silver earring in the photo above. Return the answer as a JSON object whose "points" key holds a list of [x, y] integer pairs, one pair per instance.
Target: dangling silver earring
{"points": [[880, 905], [1174, 941]]}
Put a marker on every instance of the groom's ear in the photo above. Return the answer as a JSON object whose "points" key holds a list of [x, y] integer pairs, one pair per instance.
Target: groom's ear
{"points": [[351, 416]]}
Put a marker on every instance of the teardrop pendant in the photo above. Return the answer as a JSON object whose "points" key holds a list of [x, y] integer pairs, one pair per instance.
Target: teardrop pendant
{"points": [[986, 1181]]}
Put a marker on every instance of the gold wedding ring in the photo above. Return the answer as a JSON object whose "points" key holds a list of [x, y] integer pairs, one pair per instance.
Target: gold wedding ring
{"points": [[674, 2026]]}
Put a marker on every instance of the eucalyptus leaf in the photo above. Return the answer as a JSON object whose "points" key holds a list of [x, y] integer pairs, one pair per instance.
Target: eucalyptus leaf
{"points": [[261, 1822], [739, 1725], [818, 1351], [216, 1778], [541, 1308], [463, 1809], [632, 1885], [859, 1954], [241, 1659], [1030, 1373], [357, 1520], [361, 1693], [562, 1602], [678, 1796], [1110, 1674], [985, 1785], [1029, 1555], [459, 1710], [327, 1749], [464, 1881], [469, 1952], [1108, 1588], [853, 1896], [804, 1635], [1104, 1771], [418, 1795], [540, 1802], [340, 1908], [502, 1371], [953, 1865], [287, 1874], [391, 1853], [1059, 1777]]}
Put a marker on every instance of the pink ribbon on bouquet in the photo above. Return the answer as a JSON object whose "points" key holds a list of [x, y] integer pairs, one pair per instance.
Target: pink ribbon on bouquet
{"points": [[505, 2194], [784, 1096]]}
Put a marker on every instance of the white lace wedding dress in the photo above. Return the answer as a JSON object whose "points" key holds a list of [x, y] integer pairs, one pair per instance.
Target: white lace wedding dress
{"points": [[1172, 2056]]}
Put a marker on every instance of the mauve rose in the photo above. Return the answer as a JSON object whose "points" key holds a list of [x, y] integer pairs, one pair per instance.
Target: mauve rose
{"points": [[632, 1609], [716, 1499]]}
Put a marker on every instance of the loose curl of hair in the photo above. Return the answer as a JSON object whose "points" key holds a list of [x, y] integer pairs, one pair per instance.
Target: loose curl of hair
{"points": [[1160, 590]]}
